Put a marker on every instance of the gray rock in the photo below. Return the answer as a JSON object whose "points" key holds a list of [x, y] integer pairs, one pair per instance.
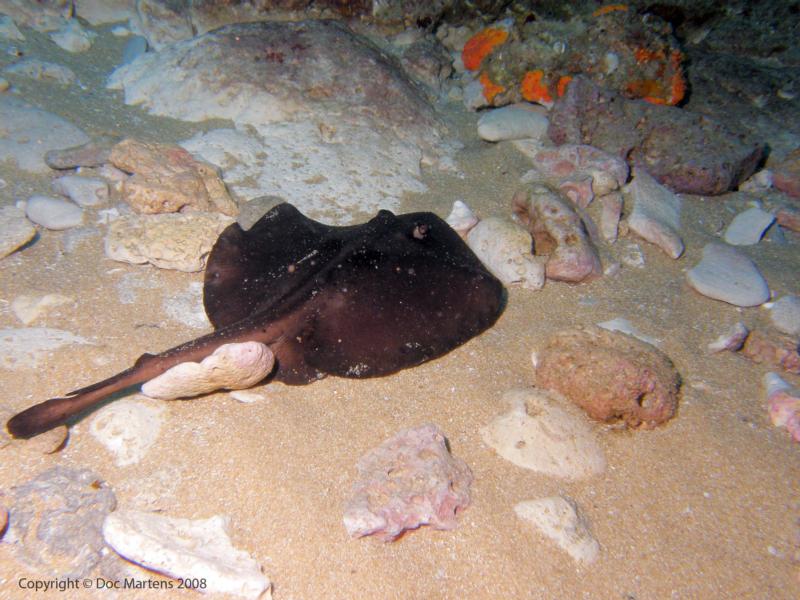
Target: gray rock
{"points": [[513, 122], [83, 191], [40, 70], [785, 314], [56, 521], [53, 213], [748, 227], [134, 48], [656, 214], [726, 274]]}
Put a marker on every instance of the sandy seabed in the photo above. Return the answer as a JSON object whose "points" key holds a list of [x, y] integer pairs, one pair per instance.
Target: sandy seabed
{"points": [[707, 506]]}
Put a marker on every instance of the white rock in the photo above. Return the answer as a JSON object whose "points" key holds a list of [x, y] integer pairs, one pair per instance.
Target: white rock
{"points": [[127, 428], [748, 227], [25, 348], [505, 248], [246, 396], [29, 133], [513, 122], [546, 434], [656, 213], [15, 230], [186, 549], [558, 519], [461, 218], [73, 38], [231, 367], [726, 274], [731, 340], [53, 213], [785, 314], [9, 29], [623, 325], [83, 191], [29, 308], [168, 241]]}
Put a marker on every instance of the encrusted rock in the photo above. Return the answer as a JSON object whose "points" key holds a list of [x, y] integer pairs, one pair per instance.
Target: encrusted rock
{"points": [[230, 367], [611, 376], [187, 549], [685, 151], [786, 174], [545, 433], [784, 404], [506, 250], [168, 241], [410, 480], [558, 233], [166, 178], [56, 519], [775, 350]]}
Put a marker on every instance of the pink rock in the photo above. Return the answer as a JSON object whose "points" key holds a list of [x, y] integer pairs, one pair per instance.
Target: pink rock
{"points": [[786, 175], [783, 404], [559, 233], [788, 217], [411, 479], [773, 349], [581, 171], [610, 215]]}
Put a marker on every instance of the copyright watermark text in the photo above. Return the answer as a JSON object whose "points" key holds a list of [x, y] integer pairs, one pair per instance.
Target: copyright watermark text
{"points": [[100, 583]]}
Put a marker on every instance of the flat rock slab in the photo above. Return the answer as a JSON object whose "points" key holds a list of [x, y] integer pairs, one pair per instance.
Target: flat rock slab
{"points": [[544, 433], [656, 214], [28, 133], [167, 241], [558, 518], [15, 230], [685, 151], [726, 274]]}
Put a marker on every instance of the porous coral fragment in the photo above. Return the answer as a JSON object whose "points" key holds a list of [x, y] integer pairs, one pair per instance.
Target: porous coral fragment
{"points": [[480, 45], [534, 89]]}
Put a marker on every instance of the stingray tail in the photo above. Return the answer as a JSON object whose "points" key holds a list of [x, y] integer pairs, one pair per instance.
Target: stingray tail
{"points": [[51, 413]]}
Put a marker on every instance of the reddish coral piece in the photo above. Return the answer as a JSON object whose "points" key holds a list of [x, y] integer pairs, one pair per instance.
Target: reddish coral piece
{"points": [[534, 90], [490, 88], [561, 86], [604, 10], [775, 350], [480, 45]]}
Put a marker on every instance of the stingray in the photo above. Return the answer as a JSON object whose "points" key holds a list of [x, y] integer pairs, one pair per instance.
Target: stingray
{"points": [[356, 301]]}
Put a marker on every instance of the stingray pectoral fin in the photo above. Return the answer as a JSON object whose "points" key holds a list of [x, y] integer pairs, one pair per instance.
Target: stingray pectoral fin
{"points": [[54, 412]]}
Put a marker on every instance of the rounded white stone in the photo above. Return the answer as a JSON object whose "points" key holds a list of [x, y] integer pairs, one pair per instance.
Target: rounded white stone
{"points": [[53, 213], [726, 274], [514, 122], [83, 191], [748, 227]]}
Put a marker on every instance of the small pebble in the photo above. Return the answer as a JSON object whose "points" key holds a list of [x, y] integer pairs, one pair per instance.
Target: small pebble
{"points": [[748, 227], [731, 340], [83, 191], [53, 213], [73, 38], [726, 274], [15, 230]]}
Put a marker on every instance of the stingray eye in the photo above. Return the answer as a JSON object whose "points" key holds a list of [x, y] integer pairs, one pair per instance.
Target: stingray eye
{"points": [[420, 231]]}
